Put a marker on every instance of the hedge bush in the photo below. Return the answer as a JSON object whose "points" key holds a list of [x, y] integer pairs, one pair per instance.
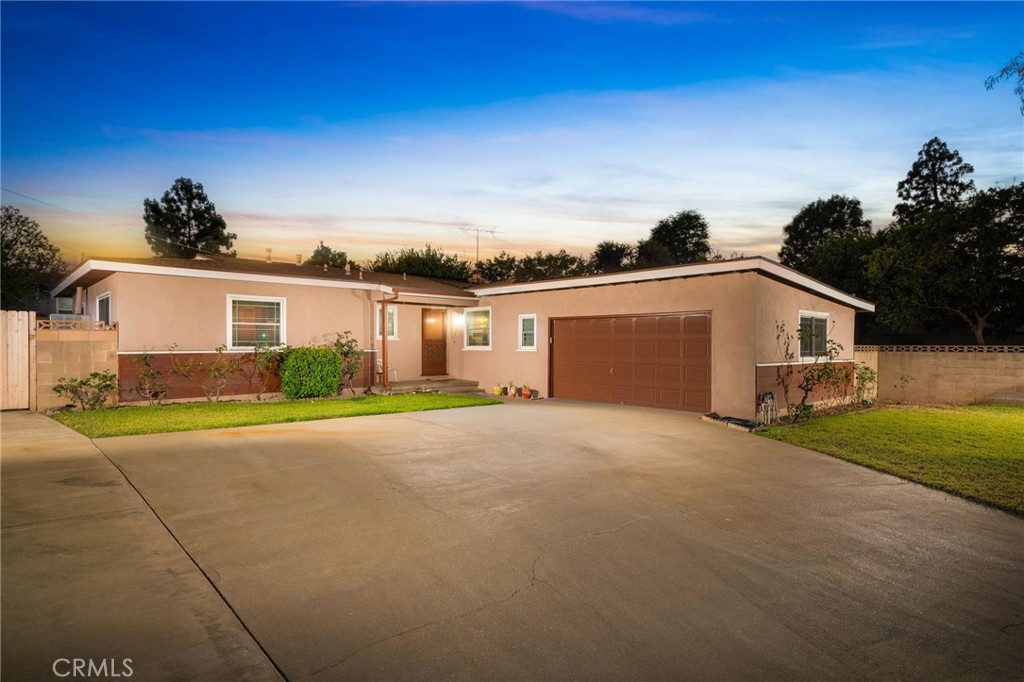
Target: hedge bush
{"points": [[310, 372]]}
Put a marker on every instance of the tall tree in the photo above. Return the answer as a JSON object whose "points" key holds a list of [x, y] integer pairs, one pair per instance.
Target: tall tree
{"points": [[611, 256], [426, 262], [1014, 70], [818, 222], [498, 268], [29, 262], [652, 254], [185, 222], [962, 260], [325, 255], [550, 266], [935, 180], [842, 262], [684, 236]]}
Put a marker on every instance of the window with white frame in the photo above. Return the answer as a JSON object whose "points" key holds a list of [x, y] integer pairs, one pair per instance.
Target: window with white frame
{"points": [[527, 333], [477, 329], [392, 322], [255, 320], [813, 334], [103, 308]]}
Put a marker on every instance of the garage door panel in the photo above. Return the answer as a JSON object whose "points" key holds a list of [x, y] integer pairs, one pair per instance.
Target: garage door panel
{"points": [[659, 360], [697, 349], [645, 349], [645, 326], [672, 373], [669, 326], [669, 397], [697, 375], [697, 324]]}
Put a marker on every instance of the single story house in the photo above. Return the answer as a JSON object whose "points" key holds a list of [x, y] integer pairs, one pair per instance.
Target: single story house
{"points": [[698, 337]]}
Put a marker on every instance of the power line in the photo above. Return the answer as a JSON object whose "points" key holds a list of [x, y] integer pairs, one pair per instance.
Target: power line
{"points": [[40, 201]]}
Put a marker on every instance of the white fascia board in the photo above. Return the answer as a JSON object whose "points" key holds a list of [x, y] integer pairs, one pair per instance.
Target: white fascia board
{"points": [[141, 269], [622, 277], [757, 263], [468, 300], [801, 280]]}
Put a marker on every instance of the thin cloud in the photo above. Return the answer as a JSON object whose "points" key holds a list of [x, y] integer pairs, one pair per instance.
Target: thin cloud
{"points": [[615, 12]]}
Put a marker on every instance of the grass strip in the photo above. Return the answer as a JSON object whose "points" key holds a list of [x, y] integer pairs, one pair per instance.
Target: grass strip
{"points": [[974, 451], [135, 421]]}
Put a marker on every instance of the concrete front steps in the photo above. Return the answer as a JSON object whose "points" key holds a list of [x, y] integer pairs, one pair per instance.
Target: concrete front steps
{"points": [[433, 386]]}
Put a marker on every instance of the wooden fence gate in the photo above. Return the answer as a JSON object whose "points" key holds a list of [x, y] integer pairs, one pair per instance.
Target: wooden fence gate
{"points": [[17, 359]]}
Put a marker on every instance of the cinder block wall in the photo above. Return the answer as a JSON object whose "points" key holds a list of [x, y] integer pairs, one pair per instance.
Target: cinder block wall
{"points": [[957, 375], [70, 354]]}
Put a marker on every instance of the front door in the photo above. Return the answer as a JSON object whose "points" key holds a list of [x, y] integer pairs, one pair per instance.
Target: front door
{"points": [[435, 351]]}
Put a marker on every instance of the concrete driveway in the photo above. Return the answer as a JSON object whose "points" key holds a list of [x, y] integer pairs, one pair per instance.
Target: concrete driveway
{"points": [[550, 541]]}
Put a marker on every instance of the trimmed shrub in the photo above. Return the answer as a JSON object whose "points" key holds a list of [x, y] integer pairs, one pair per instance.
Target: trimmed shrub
{"points": [[310, 372], [90, 393]]}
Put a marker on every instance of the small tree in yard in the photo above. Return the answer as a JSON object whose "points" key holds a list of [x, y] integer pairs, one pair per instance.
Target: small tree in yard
{"points": [[149, 381], [210, 377], [258, 366], [823, 371], [351, 359]]}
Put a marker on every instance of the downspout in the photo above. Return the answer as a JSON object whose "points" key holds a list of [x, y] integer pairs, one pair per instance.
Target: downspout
{"points": [[384, 340]]}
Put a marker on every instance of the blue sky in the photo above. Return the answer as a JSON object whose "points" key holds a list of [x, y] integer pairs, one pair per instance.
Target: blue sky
{"points": [[558, 125]]}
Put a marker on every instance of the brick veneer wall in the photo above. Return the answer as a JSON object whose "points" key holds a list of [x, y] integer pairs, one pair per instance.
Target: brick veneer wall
{"points": [[70, 353], [182, 388], [956, 375], [767, 381]]}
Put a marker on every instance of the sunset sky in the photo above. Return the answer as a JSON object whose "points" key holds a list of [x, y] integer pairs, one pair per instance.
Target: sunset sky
{"points": [[555, 125]]}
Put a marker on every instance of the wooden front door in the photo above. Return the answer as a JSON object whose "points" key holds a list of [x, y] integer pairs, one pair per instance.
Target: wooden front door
{"points": [[435, 351]]}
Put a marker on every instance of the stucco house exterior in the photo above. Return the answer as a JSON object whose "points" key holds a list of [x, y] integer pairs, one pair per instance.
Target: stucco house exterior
{"points": [[698, 337]]}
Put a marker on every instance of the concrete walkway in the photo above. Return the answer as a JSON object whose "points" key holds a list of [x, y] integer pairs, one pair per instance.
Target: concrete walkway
{"points": [[89, 572], [524, 541]]}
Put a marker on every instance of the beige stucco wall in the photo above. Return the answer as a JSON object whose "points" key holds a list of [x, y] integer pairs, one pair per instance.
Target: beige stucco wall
{"points": [[160, 310], [730, 298], [70, 354], [193, 312], [778, 302]]}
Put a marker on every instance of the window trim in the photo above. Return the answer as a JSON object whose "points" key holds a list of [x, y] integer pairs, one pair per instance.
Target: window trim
{"points": [[519, 333], [282, 337], [110, 311], [812, 314], [392, 312], [490, 328]]}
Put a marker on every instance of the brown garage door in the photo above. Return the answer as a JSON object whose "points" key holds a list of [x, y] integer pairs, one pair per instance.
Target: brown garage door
{"points": [[655, 360]]}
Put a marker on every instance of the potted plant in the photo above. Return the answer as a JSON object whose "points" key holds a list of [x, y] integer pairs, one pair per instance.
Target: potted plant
{"points": [[497, 389], [527, 392]]}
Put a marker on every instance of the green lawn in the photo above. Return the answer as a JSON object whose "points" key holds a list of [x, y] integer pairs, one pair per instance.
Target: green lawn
{"points": [[134, 421], [973, 451]]}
